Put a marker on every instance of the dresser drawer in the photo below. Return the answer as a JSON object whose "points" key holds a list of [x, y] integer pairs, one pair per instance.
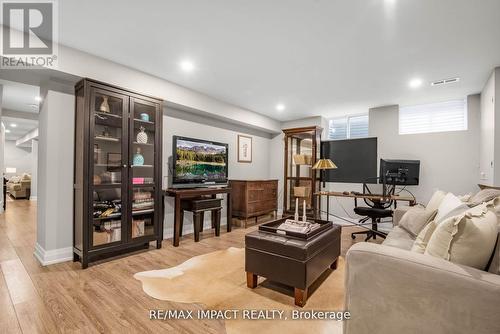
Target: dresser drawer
{"points": [[261, 206]]}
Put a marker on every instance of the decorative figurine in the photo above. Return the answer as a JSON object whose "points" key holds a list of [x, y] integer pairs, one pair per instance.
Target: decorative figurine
{"points": [[142, 136], [104, 105], [138, 158]]}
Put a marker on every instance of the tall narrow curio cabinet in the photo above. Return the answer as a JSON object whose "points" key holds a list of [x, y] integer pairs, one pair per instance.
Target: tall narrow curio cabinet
{"points": [[302, 150], [117, 188]]}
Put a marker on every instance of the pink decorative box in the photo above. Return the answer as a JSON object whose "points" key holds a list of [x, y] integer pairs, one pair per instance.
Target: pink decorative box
{"points": [[137, 180]]}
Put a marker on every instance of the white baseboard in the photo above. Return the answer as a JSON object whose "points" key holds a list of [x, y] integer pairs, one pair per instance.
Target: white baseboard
{"points": [[53, 256], [33, 198]]}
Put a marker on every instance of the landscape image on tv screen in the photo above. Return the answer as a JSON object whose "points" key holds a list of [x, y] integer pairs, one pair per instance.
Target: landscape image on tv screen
{"points": [[200, 161]]}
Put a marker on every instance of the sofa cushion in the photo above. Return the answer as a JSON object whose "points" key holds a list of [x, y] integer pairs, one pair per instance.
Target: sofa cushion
{"points": [[468, 239], [423, 238], [415, 219], [450, 206], [435, 200], [494, 265], [399, 238], [484, 195]]}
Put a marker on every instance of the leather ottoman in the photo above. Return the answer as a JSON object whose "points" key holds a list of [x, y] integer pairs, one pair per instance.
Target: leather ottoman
{"points": [[290, 260]]}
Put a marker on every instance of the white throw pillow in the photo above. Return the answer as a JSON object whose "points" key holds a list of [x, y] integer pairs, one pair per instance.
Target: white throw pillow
{"points": [[435, 200], [467, 239], [450, 206], [423, 238]]}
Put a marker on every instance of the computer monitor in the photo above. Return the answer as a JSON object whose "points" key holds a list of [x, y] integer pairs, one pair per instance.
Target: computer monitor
{"points": [[399, 172]]}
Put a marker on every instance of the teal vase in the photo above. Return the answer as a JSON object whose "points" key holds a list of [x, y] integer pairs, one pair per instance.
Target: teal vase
{"points": [[138, 158]]}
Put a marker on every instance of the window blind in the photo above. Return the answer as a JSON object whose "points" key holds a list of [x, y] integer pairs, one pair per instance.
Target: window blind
{"points": [[435, 117]]}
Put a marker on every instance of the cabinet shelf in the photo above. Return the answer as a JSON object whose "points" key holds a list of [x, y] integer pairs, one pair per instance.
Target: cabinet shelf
{"points": [[142, 212], [142, 166], [143, 144], [99, 114], [103, 138], [111, 216], [142, 121]]}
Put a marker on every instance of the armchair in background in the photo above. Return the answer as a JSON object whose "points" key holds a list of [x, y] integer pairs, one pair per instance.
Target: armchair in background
{"points": [[19, 186]]}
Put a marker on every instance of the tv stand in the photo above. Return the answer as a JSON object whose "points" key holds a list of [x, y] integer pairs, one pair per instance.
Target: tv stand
{"points": [[180, 194]]}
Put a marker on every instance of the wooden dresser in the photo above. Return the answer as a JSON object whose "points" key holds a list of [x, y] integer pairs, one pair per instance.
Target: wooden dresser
{"points": [[252, 198]]}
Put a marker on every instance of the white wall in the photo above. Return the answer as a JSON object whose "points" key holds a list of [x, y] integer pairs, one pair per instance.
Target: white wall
{"points": [[204, 128], [55, 177], [34, 169], [448, 160], [487, 132], [18, 157]]}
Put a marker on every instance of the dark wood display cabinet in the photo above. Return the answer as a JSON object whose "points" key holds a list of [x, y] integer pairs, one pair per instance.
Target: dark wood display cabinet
{"points": [[117, 188], [302, 150]]}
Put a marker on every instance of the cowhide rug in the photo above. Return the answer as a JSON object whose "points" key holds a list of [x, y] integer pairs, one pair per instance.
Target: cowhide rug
{"points": [[217, 280]]}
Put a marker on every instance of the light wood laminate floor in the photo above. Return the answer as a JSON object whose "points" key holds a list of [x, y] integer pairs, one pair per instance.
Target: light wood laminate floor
{"points": [[104, 298]]}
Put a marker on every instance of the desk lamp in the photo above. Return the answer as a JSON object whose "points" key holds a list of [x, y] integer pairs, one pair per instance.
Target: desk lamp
{"points": [[324, 164]]}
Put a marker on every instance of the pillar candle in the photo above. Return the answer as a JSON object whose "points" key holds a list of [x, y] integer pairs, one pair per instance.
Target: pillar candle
{"points": [[296, 209], [304, 215]]}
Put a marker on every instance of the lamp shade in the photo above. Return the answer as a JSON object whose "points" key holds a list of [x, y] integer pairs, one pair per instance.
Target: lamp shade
{"points": [[324, 164]]}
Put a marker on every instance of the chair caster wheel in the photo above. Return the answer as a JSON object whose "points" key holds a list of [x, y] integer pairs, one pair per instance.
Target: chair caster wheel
{"points": [[353, 236]]}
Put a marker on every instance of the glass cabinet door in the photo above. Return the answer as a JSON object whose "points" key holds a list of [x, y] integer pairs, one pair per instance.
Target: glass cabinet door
{"points": [[143, 155], [299, 178], [108, 127]]}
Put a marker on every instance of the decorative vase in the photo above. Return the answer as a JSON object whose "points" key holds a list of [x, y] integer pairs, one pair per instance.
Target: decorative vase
{"points": [[142, 136], [145, 117], [104, 105], [138, 158]]}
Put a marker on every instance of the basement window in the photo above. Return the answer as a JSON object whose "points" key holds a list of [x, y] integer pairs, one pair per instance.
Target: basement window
{"points": [[348, 127], [434, 117]]}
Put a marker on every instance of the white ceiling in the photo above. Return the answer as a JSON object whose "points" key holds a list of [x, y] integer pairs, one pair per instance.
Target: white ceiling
{"points": [[23, 126], [18, 97], [317, 57]]}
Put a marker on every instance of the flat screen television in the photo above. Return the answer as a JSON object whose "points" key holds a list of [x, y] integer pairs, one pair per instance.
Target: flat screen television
{"points": [[198, 163], [356, 160]]}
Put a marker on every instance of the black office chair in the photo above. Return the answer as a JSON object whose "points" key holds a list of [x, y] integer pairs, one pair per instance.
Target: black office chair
{"points": [[375, 210]]}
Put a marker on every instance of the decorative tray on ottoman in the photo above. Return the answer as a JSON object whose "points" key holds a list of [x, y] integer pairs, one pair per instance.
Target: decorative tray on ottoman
{"points": [[272, 227]]}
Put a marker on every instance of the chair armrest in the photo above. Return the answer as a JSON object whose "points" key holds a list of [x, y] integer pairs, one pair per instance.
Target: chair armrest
{"points": [[390, 290]]}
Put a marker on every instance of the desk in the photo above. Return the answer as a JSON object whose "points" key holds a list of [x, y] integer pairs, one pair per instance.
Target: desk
{"points": [[395, 198], [180, 194]]}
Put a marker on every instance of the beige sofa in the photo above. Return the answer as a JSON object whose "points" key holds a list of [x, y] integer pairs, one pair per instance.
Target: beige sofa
{"points": [[19, 186], [391, 290]]}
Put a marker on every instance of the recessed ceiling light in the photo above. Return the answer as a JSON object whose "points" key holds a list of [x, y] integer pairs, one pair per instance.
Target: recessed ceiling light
{"points": [[187, 65], [13, 125], [280, 107], [415, 83], [38, 98], [7, 131]]}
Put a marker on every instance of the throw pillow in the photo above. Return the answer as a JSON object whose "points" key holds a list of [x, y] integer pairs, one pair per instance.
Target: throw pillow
{"points": [[435, 200], [415, 219], [484, 195], [423, 238], [465, 198], [450, 206], [467, 239]]}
